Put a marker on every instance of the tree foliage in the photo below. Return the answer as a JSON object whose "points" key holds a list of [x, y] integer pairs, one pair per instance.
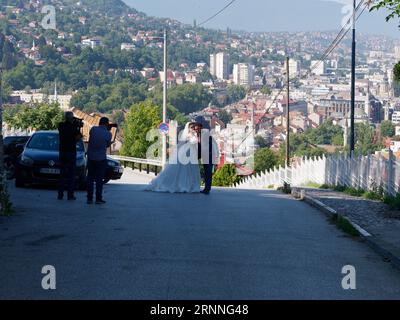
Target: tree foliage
{"points": [[224, 116], [225, 176], [189, 98], [365, 137], [265, 159], [393, 6], [41, 116], [261, 141], [236, 93], [306, 144], [300, 146], [141, 118], [327, 133], [387, 129]]}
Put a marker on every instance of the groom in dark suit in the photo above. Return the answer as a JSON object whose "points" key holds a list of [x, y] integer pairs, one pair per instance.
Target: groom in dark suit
{"points": [[208, 164]]}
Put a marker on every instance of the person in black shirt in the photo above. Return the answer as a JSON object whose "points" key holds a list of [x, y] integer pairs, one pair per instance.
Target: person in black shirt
{"points": [[69, 134]]}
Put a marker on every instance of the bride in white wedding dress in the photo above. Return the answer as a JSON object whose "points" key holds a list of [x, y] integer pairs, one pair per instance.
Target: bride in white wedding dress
{"points": [[182, 173]]}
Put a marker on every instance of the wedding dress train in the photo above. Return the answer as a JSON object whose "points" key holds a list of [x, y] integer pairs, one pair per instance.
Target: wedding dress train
{"points": [[183, 174]]}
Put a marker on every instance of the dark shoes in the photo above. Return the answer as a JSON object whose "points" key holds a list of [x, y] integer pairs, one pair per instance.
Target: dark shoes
{"points": [[90, 201], [98, 201], [61, 197], [206, 192]]}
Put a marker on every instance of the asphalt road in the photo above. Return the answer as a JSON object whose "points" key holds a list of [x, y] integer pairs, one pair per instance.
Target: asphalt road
{"points": [[233, 244]]}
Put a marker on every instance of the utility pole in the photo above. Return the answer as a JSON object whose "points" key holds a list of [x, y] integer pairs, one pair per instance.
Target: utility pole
{"points": [[164, 136], [353, 81], [287, 112]]}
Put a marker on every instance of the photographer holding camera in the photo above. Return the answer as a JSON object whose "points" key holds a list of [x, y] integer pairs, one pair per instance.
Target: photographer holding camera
{"points": [[69, 133], [99, 140]]}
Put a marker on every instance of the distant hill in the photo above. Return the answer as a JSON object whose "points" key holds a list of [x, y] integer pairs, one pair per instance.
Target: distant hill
{"points": [[110, 7]]}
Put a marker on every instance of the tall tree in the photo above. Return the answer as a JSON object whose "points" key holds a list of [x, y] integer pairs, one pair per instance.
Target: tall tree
{"points": [[225, 176], [8, 60], [387, 129], [236, 93], [42, 116], [265, 159], [141, 118]]}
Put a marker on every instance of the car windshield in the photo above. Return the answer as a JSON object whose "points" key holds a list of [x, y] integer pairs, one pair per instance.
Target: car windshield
{"points": [[49, 142]]}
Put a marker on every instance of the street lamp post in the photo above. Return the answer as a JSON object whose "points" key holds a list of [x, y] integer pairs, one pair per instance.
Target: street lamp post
{"points": [[164, 115], [353, 81], [287, 113], [165, 91]]}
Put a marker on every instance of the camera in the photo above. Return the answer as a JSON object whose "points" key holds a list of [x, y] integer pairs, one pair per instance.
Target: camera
{"points": [[78, 122], [112, 125]]}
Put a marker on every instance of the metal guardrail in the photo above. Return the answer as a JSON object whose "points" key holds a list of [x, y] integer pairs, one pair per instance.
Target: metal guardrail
{"points": [[148, 163]]}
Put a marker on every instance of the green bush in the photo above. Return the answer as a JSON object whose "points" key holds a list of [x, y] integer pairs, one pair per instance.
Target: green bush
{"points": [[344, 225], [325, 186], [354, 192], [393, 202], [372, 195], [313, 185], [339, 188], [225, 176], [265, 159]]}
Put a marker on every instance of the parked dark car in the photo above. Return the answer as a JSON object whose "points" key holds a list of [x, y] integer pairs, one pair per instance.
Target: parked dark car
{"points": [[114, 170], [13, 147], [39, 162]]}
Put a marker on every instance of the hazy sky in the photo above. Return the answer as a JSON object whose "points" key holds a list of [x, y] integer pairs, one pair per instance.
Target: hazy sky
{"points": [[267, 15]]}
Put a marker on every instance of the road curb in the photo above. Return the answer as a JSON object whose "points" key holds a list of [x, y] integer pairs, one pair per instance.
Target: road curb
{"points": [[383, 249]]}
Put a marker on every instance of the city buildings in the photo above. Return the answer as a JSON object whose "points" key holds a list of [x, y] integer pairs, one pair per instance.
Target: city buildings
{"points": [[396, 118], [92, 42], [318, 67], [243, 74], [219, 65], [294, 68], [38, 97]]}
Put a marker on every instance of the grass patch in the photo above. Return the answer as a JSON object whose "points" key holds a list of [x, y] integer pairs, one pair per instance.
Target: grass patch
{"points": [[325, 186], [393, 202], [354, 192], [339, 188], [313, 185], [372, 195], [344, 225]]}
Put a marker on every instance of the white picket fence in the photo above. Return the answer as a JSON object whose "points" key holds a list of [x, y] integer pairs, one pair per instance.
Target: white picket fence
{"points": [[364, 172]]}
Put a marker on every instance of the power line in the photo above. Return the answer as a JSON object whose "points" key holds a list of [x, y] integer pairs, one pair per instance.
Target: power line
{"points": [[342, 33], [216, 14]]}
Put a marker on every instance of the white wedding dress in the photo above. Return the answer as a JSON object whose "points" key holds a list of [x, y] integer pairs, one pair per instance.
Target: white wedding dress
{"points": [[183, 174]]}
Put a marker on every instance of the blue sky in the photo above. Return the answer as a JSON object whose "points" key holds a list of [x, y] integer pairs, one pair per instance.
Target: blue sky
{"points": [[267, 15]]}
